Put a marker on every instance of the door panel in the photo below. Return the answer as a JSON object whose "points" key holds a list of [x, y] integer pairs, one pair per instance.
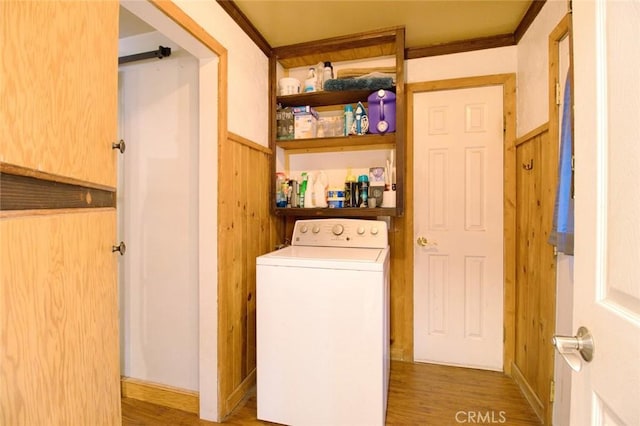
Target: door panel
{"points": [[59, 75], [58, 316], [607, 222], [58, 295], [458, 277]]}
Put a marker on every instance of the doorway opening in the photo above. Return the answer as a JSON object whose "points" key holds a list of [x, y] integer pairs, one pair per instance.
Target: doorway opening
{"points": [[167, 202]]}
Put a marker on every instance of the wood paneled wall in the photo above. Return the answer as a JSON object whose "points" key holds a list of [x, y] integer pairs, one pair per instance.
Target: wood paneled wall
{"points": [[536, 177], [402, 282], [246, 230]]}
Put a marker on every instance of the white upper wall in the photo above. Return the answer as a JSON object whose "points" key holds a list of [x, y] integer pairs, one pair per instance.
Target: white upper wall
{"points": [[248, 74], [468, 64], [533, 67]]}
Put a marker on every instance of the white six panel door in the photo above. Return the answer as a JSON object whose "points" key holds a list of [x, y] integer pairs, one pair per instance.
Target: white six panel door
{"points": [[458, 272]]}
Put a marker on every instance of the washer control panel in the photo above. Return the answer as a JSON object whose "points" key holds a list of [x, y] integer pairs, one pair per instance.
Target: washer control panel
{"points": [[359, 233]]}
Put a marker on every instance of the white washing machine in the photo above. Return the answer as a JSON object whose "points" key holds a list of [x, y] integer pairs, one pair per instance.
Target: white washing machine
{"points": [[323, 325]]}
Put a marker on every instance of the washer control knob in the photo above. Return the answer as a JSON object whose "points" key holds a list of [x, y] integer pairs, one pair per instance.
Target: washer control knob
{"points": [[360, 230], [315, 229], [304, 229], [374, 231], [337, 229]]}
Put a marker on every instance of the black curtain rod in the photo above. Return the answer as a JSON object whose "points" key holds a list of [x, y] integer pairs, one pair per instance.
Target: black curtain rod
{"points": [[160, 53]]}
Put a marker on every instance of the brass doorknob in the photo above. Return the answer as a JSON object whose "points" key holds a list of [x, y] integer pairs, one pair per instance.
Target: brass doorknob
{"points": [[423, 242]]}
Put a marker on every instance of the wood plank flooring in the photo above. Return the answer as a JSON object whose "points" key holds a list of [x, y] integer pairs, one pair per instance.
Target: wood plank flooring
{"points": [[419, 394]]}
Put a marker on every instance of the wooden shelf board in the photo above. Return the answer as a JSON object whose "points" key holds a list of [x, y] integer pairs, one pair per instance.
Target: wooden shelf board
{"points": [[345, 212], [340, 143], [322, 98]]}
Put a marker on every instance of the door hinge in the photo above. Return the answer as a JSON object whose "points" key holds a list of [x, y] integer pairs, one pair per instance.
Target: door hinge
{"points": [[504, 124], [557, 93], [552, 391]]}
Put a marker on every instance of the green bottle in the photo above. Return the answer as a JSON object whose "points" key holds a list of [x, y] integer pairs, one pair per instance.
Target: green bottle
{"points": [[303, 188]]}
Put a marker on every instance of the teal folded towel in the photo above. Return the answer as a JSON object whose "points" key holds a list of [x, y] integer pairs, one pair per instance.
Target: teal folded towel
{"points": [[372, 84]]}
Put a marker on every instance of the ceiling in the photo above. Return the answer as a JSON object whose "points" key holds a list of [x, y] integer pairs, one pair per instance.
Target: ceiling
{"points": [[427, 22]]}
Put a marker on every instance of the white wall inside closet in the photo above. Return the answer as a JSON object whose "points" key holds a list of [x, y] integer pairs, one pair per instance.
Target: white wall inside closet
{"points": [[158, 109]]}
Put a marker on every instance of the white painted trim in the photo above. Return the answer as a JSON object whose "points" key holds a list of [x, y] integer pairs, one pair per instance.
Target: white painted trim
{"points": [[208, 242]]}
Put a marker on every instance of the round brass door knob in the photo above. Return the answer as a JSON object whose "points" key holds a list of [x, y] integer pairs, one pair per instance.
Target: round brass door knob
{"points": [[423, 242]]}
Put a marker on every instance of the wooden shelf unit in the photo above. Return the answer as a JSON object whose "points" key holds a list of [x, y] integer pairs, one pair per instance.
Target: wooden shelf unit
{"points": [[386, 42]]}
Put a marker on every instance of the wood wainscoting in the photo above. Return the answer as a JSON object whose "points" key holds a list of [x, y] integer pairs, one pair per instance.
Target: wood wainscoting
{"points": [[246, 230], [536, 177]]}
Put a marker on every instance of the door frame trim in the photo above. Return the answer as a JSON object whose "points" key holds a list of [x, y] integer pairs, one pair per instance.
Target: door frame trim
{"points": [[508, 82]]}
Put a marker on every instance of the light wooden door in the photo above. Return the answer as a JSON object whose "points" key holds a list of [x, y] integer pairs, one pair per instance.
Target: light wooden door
{"points": [[58, 296], [458, 225], [60, 362], [59, 74], [607, 221]]}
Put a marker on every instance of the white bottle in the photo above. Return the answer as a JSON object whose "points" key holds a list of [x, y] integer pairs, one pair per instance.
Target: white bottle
{"points": [[310, 82]]}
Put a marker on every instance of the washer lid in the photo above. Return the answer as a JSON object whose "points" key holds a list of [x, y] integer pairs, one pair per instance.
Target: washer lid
{"points": [[326, 257]]}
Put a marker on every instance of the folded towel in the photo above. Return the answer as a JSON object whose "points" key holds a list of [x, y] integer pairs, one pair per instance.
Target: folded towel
{"points": [[358, 84]]}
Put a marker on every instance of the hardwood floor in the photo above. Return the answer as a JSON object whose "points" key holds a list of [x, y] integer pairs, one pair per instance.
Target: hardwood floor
{"points": [[419, 394]]}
